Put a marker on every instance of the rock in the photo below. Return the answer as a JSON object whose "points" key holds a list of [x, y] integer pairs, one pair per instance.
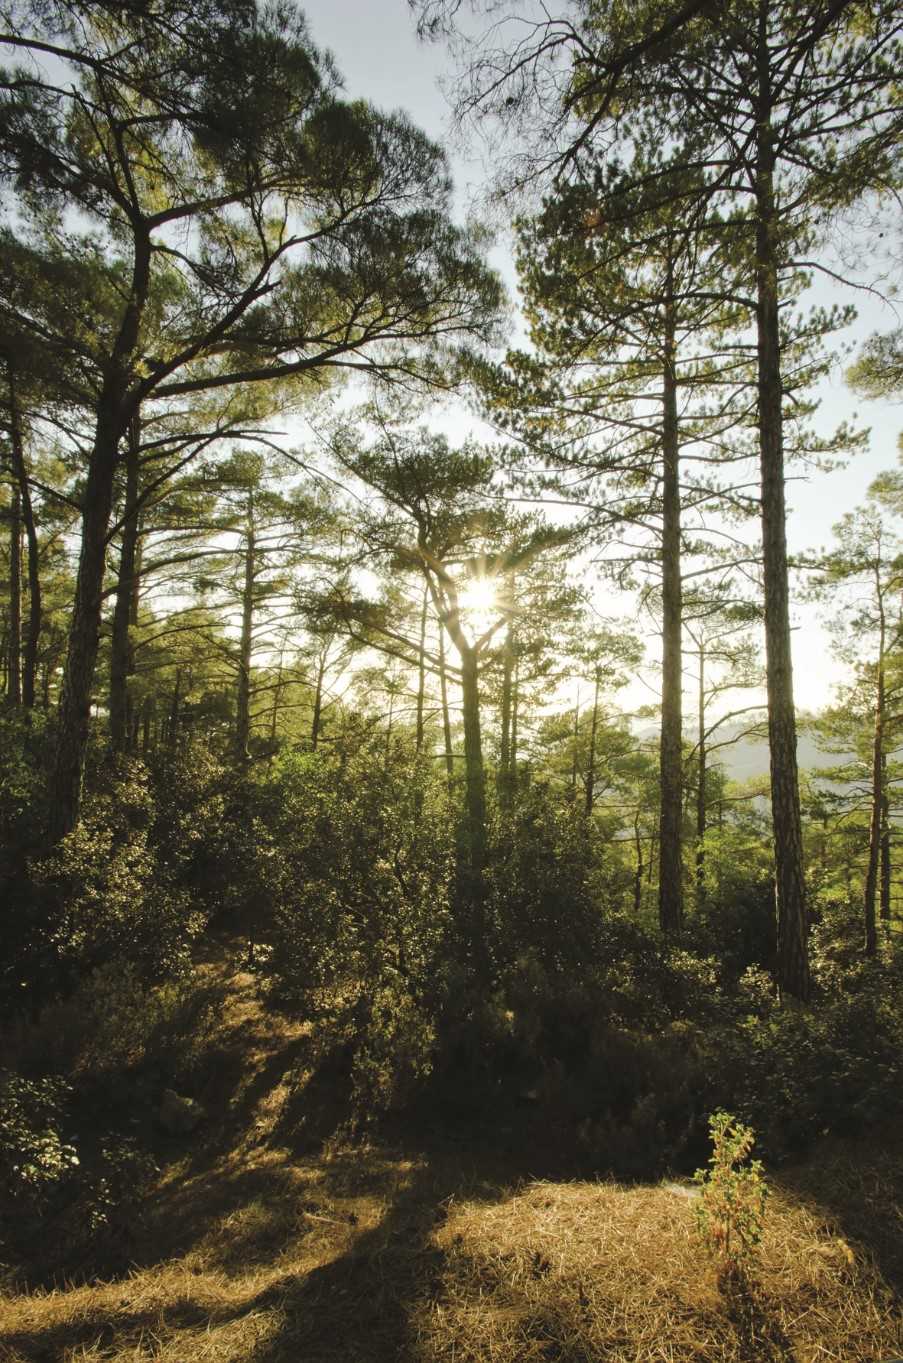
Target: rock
{"points": [[177, 1115]]}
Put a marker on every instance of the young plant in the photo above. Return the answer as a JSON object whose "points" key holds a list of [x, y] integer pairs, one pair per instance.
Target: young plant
{"points": [[731, 1209]]}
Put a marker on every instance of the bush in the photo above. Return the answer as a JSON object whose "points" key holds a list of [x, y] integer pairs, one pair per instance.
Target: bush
{"points": [[359, 861], [733, 1193], [36, 1160]]}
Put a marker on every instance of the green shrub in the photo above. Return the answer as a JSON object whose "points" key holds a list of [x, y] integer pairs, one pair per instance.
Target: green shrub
{"points": [[36, 1160], [733, 1194]]}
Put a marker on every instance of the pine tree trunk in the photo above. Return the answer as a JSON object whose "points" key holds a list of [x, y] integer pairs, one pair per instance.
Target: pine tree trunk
{"points": [[33, 632], [792, 963], [243, 694], [446, 718], [175, 712], [14, 632], [591, 764], [670, 882], [474, 775], [875, 822], [84, 626], [885, 851], [638, 872], [504, 776], [421, 672], [121, 647], [700, 787], [84, 637], [317, 718]]}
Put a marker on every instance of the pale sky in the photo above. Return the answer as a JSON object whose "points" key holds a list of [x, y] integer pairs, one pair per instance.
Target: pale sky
{"points": [[377, 52]]}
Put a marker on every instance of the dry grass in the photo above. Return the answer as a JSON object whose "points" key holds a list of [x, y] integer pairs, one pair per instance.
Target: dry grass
{"points": [[588, 1271], [254, 1253]]}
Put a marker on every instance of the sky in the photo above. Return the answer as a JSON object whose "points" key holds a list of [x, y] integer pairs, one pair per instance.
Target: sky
{"points": [[378, 54]]}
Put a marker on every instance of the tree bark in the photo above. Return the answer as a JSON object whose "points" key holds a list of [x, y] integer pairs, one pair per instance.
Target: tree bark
{"points": [[84, 636], [875, 822], [122, 663], [700, 787], [591, 763], [446, 718], [317, 718], [421, 672], [113, 416], [245, 648], [33, 632], [504, 777], [14, 632], [474, 774], [793, 962], [885, 851], [670, 881], [638, 873]]}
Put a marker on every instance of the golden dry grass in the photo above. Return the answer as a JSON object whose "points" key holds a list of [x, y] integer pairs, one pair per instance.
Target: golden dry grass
{"points": [[254, 1254]]}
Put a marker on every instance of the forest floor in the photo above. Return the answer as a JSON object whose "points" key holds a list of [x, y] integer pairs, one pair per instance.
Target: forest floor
{"points": [[263, 1243]]}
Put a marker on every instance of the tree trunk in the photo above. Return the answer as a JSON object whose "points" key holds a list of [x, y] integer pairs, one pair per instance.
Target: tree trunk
{"points": [[122, 663], [446, 718], [172, 728], [700, 787], [875, 822], [504, 777], [474, 775], [421, 672], [33, 633], [792, 963], [670, 881], [84, 637], [14, 634], [574, 741], [638, 873], [591, 763], [113, 416], [243, 695], [885, 851]]}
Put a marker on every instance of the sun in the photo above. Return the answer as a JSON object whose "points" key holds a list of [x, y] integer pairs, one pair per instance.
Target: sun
{"points": [[479, 597]]}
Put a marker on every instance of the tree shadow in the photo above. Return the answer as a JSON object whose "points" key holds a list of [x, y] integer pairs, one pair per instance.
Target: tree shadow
{"points": [[759, 1333], [364, 1304], [858, 1191]]}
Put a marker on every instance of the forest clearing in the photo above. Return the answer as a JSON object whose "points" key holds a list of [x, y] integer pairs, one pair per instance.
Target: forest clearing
{"points": [[254, 1243]]}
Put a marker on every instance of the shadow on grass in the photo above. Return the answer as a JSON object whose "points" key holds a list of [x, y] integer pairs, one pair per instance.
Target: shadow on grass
{"points": [[857, 1185], [760, 1336]]}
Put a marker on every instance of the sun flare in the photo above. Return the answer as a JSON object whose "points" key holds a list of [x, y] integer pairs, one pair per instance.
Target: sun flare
{"points": [[479, 597]]}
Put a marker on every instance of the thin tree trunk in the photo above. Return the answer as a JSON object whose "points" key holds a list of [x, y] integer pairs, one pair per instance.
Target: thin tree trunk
{"points": [[121, 644], [885, 850], [504, 777], [670, 880], [446, 718], [474, 775], [638, 873], [243, 695], [317, 718], [591, 764], [421, 672], [875, 831], [14, 632], [700, 788], [576, 736], [173, 723], [515, 706], [792, 962], [33, 632], [277, 697]]}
